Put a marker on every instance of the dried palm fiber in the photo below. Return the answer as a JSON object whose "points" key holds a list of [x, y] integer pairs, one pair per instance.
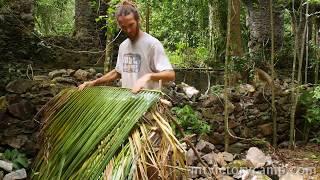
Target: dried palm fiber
{"points": [[102, 133]]}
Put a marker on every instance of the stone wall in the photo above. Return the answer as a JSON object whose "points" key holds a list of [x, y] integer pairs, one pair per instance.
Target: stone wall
{"points": [[22, 48], [24, 98], [250, 109], [249, 114]]}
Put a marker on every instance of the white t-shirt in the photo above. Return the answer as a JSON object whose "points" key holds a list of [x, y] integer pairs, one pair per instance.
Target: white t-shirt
{"points": [[135, 59]]}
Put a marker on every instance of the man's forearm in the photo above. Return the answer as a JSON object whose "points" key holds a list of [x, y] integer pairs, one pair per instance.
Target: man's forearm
{"points": [[109, 77], [164, 76]]}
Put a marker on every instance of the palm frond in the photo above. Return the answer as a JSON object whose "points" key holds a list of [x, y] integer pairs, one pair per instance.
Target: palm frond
{"points": [[93, 134]]}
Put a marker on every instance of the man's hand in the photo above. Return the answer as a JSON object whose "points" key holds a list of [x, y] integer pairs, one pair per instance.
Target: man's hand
{"points": [[86, 84], [141, 83]]}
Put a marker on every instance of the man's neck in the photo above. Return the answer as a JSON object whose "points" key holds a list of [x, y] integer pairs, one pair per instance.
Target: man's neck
{"points": [[140, 33]]}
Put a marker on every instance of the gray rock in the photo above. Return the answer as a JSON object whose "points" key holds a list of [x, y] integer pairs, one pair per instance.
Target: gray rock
{"points": [[227, 156], [210, 101], [219, 159], [211, 113], [65, 80], [70, 72], [253, 111], [18, 174], [266, 129], [205, 146], [291, 176], [217, 138], [189, 90], [57, 73], [209, 158], [81, 75], [284, 144], [232, 124], [17, 142], [99, 75], [191, 157], [263, 107], [256, 157], [227, 178], [92, 71], [40, 78], [23, 110], [19, 86], [27, 17], [1, 175], [238, 147], [7, 166]]}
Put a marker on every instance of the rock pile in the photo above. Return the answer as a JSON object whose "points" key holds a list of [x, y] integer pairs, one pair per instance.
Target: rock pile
{"points": [[25, 98]]}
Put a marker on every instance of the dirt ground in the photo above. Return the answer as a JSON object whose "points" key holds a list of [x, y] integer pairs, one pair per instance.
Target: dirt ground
{"points": [[304, 158]]}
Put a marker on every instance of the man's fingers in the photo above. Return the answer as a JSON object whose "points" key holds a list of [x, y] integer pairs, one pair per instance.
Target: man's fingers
{"points": [[82, 86], [135, 89]]}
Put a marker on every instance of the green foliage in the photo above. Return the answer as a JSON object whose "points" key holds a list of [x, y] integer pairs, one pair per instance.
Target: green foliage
{"points": [[3, 3], [216, 89], [313, 1], [182, 26], [190, 121], [18, 159], [311, 100], [185, 56], [55, 17]]}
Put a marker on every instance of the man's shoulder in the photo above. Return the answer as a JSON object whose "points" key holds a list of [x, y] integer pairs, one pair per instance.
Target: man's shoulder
{"points": [[126, 41], [151, 40]]}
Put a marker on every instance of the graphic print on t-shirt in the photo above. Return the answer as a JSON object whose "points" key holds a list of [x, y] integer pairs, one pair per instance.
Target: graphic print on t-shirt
{"points": [[131, 63]]}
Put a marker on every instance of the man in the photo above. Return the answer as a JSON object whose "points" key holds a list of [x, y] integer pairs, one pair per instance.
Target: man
{"points": [[141, 62]]}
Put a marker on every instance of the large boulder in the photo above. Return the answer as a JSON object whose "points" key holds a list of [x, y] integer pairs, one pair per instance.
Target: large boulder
{"points": [[256, 157], [22, 110], [20, 86]]}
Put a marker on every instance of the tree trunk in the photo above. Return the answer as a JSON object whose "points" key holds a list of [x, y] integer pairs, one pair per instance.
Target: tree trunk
{"points": [[226, 80], [217, 26], [235, 40], [148, 16], [316, 43], [85, 26], [259, 26], [235, 31], [273, 105]]}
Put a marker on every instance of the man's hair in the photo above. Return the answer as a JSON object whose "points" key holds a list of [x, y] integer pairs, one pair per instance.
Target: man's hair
{"points": [[125, 8]]}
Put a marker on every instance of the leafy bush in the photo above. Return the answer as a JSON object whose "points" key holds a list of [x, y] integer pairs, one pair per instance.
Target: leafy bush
{"points": [[185, 56], [190, 121], [18, 159], [311, 100]]}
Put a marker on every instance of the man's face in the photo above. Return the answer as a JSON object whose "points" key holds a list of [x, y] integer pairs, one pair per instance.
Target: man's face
{"points": [[129, 25]]}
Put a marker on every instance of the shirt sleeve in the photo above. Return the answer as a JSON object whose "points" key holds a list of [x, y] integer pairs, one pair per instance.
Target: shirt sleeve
{"points": [[160, 59], [119, 64]]}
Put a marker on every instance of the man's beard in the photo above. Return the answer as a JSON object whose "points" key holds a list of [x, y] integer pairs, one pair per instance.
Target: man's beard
{"points": [[136, 33]]}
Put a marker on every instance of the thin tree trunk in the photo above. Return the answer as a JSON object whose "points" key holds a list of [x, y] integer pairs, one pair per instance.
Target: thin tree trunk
{"points": [[316, 70], [293, 97], [226, 78], [296, 97], [148, 16], [307, 51], [274, 110], [109, 54]]}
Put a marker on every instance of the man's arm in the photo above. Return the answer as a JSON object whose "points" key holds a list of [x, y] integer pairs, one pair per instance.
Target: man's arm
{"points": [[168, 75], [109, 77]]}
